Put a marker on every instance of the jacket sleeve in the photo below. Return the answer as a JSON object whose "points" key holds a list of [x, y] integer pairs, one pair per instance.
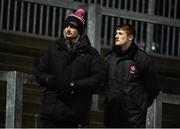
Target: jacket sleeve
{"points": [[151, 81], [42, 75], [97, 73]]}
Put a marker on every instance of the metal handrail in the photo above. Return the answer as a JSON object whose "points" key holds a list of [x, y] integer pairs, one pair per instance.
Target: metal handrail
{"points": [[154, 115], [14, 100], [14, 96]]}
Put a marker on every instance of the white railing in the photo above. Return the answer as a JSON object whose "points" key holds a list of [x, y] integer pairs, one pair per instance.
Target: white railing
{"points": [[14, 96], [14, 99], [154, 115]]}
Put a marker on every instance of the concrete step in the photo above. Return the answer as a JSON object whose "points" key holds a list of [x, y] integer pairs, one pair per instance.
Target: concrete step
{"points": [[169, 84], [11, 61], [11, 67], [29, 42], [21, 50], [167, 66], [96, 119], [11, 58], [21, 53], [31, 120]]}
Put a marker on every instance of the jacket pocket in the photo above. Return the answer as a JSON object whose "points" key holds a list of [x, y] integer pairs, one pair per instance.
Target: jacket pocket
{"points": [[62, 112], [138, 98], [48, 103], [54, 108]]}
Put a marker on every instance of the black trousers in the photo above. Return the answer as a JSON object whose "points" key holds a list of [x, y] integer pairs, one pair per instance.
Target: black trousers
{"points": [[121, 121], [124, 114]]}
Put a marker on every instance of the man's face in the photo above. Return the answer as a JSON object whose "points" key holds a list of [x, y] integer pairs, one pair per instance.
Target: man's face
{"points": [[71, 33], [122, 38]]}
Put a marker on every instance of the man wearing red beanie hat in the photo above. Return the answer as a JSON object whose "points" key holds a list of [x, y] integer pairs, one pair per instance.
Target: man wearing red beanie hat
{"points": [[77, 20], [71, 71]]}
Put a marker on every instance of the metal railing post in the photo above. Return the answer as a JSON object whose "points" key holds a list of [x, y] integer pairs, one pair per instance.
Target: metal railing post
{"points": [[93, 32], [14, 99], [150, 26], [158, 111], [154, 114], [94, 25], [150, 120]]}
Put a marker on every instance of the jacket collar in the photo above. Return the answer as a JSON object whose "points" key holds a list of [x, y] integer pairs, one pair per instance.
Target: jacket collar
{"points": [[83, 45], [129, 53]]}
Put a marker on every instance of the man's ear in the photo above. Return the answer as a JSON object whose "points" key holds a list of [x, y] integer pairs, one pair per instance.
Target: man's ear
{"points": [[131, 37]]}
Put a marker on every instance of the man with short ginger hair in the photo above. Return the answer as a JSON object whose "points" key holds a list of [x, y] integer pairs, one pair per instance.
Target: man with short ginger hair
{"points": [[132, 82]]}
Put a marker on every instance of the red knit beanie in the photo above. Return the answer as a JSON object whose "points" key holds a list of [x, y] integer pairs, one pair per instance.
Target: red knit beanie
{"points": [[77, 20]]}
